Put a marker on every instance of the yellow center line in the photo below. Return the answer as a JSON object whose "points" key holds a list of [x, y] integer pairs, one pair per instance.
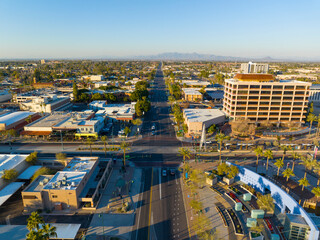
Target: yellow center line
{"points": [[150, 204]]}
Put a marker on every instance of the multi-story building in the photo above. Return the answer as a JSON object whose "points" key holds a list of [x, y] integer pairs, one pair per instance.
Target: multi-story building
{"points": [[192, 94], [80, 184], [296, 227], [115, 112], [251, 67], [257, 97], [42, 103], [315, 94]]}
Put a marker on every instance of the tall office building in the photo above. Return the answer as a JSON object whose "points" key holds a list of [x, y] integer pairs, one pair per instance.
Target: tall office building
{"points": [[251, 67], [258, 97]]}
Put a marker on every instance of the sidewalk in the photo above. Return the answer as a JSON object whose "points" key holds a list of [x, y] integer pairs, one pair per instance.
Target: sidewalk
{"points": [[108, 221]]}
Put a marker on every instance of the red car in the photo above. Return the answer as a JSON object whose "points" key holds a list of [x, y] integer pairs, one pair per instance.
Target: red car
{"points": [[269, 224]]}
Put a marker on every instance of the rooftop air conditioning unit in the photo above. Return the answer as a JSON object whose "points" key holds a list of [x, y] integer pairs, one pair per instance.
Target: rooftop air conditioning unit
{"points": [[41, 183], [73, 184]]}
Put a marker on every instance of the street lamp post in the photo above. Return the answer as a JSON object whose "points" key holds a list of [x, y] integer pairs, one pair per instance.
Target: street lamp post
{"points": [[61, 140]]}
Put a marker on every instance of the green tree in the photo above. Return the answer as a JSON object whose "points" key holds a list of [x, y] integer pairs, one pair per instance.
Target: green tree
{"points": [[32, 158], [89, 142], [75, 92], [42, 171], [304, 183], [36, 74], [127, 131], [316, 192], [309, 163], [269, 155], [295, 156], [318, 124], [137, 122], [279, 164], [288, 173], [259, 152], [185, 153], [125, 147], [38, 230], [232, 171], [62, 158], [212, 129], [311, 118], [222, 168], [104, 139], [10, 174], [265, 202], [220, 138], [284, 148], [196, 205]]}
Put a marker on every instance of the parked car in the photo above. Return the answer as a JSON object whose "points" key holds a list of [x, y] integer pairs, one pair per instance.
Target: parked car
{"points": [[172, 171], [164, 173]]}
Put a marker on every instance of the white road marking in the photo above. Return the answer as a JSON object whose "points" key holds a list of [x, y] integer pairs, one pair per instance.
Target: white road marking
{"points": [[160, 184]]}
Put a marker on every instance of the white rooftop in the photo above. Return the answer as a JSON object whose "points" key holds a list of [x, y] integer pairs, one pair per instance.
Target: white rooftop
{"points": [[202, 115], [10, 161], [65, 180], [191, 91], [81, 164], [14, 117], [8, 191]]}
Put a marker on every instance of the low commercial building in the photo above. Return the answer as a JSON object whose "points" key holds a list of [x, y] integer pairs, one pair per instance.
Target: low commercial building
{"points": [[11, 161], [115, 112], [80, 184], [17, 120], [93, 77], [5, 96], [195, 83], [196, 118], [192, 95], [258, 97]]}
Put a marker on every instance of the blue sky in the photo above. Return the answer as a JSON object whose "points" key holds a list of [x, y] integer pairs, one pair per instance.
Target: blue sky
{"points": [[72, 29]]}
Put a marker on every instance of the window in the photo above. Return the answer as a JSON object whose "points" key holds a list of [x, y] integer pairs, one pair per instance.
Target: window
{"points": [[277, 87], [255, 86], [289, 87], [277, 93], [266, 87], [288, 92], [29, 197], [253, 97], [242, 86], [54, 196], [254, 92]]}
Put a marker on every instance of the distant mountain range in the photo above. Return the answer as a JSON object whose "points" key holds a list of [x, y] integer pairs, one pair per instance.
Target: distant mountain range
{"points": [[176, 56], [197, 57]]}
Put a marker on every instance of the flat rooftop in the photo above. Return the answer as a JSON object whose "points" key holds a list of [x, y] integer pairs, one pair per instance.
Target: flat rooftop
{"points": [[38, 184], [19, 232], [65, 180], [202, 115], [10, 161], [8, 191], [73, 121], [81, 164], [28, 173], [11, 118], [191, 91], [297, 219], [50, 120]]}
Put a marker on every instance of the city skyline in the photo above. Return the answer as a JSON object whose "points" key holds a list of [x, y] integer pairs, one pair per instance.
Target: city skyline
{"points": [[124, 29]]}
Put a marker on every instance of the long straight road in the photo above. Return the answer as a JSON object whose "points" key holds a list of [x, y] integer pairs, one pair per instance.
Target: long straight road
{"points": [[161, 212]]}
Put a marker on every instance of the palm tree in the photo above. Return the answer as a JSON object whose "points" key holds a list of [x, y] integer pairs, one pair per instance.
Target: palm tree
{"points": [[259, 152], [104, 140], [279, 163], [316, 169], [318, 124], [309, 163], [284, 148], [316, 192], [269, 155], [48, 231], [288, 173], [34, 220], [295, 156], [304, 182], [311, 118], [90, 142], [125, 147], [220, 137], [185, 153]]}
